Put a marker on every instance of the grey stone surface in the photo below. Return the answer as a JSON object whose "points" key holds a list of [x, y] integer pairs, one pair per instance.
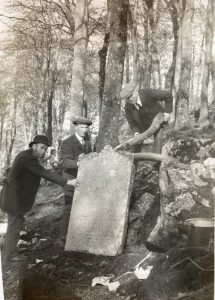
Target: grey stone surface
{"points": [[99, 214], [185, 193], [144, 204]]}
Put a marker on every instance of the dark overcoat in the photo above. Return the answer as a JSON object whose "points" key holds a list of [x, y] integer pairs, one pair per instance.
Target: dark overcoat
{"points": [[19, 191], [152, 103], [71, 148]]}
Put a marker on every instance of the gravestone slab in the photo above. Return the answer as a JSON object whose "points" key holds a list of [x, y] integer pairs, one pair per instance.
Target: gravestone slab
{"points": [[98, 220]]}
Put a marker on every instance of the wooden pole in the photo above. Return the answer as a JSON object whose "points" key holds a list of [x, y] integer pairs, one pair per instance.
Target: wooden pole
{"points": [[148, 156], [167, 161], [156, 124]]}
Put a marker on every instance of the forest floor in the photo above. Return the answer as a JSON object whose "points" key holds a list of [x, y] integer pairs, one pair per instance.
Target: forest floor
{"points": [[50, 273]]}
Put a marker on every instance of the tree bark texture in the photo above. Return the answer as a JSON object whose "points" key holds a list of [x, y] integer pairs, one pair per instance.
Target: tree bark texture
{"points": [[49, 108], [109, 122], [51, 92], [146, 65], [209, 31], [213, 78], [182, 99], [127, 66], [1, 129], [12, 130], [102, 60], [79, 58], [154, 19], [170, 76], [133, 23]]}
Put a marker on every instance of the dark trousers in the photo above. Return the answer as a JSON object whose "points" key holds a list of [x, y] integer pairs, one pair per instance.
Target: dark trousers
{"points": [[66, 213], [14, 227]]}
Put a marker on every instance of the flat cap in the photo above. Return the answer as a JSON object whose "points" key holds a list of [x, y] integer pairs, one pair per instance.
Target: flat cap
{"points": [[82, 120], [127, 90]]}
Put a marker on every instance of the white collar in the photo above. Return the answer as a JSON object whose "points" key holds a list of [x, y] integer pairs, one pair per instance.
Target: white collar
{"points": [[81, 140], [138, 103]]}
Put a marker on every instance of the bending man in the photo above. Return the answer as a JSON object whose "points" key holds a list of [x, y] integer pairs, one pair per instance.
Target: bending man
{"points": [[141, 106], [19, 191]]}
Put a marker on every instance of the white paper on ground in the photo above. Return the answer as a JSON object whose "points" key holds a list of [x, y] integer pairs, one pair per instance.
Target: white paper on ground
{"points": [[113, 286], [139, 272], [103, 280], [143, 273], [145, 258]]}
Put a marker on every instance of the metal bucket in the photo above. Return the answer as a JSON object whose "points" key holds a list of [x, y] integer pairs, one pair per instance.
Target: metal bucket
{"points": [[200, 231]]}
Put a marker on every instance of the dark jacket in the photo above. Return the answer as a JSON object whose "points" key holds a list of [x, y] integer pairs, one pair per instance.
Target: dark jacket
{"points": [[71, 148], [19, 191], [140, 119]]}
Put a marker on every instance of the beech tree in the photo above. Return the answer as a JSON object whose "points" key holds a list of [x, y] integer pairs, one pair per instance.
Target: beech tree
{"points": [[79, 10], [111, 106], [182, 99], [174, 13], [208, 65]]}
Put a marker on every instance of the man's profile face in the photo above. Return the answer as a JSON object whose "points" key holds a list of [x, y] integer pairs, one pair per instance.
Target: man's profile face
{"points": [[39, 150], [133, 98], [81, 130]]}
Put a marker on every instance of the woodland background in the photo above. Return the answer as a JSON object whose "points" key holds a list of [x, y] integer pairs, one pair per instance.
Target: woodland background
{"points": [[63, 58]]}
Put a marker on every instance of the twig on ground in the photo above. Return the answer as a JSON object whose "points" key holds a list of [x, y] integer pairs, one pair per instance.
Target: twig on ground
{"points": [[193, 262]]}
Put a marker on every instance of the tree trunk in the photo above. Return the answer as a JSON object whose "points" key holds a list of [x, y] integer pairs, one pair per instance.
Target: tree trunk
{"points": [[52, 82], [109, 123], [49, 108], [213, 78], [146, 68], [182, 100], [79, 58], [198, 75], [209, 29], [1, 129], [170, 76], [9, 144], [102, 60], [133, 17], [42, 111], [35, 121], [9, 152], [154, 18], [192, 100], [127, 65]]}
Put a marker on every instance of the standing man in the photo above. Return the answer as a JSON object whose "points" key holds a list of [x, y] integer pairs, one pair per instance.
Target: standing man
{"points": [[141, 106], [19, 191], [72, 149]]}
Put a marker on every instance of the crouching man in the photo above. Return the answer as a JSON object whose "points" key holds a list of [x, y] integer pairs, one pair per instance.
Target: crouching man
{"points": [[19, 191]]}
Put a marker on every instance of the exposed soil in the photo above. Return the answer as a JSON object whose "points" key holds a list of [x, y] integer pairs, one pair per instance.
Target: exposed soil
{"points": [[180, 273]]}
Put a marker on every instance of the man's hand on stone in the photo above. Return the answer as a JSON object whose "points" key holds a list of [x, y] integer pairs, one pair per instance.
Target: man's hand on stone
{"points": [[79, 157], [74, 182]]}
